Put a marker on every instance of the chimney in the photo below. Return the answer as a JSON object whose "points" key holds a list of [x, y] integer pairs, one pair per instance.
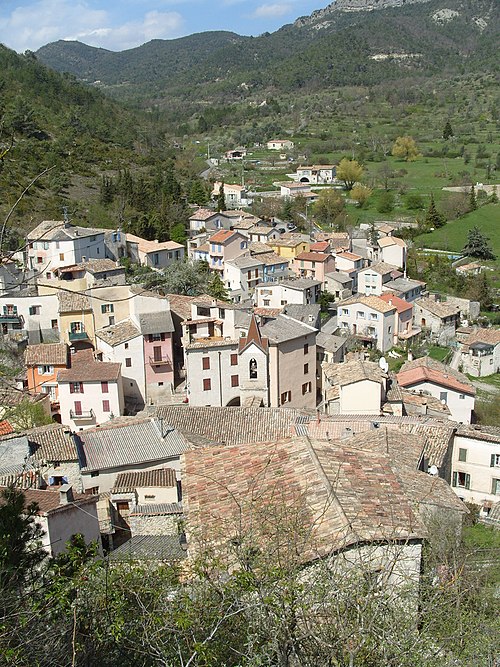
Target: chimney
{"points": [[66, 494], [156, 241]]}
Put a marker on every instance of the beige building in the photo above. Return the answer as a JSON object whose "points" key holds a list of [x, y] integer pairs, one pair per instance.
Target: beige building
{"points": [[353, 387], [370, 319]]}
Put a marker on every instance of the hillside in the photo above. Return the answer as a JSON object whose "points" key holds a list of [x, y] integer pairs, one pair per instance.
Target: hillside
{"points": [[336, 46]]}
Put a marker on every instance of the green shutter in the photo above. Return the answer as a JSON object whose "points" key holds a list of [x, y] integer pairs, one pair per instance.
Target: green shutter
{"points": [[467, 481], [103, 308], [455, 479], [492, 461]]}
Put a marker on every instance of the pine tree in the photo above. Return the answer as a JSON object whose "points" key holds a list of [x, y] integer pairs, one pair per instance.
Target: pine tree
{"points": [[433, 218], [221, 199], [447, 131], [217, 289], [472, 199], [477, 245]]}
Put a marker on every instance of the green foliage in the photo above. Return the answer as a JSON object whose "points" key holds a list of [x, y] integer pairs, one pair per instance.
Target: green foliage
{"points": [[385, 202], [349, 172], [221, 199], [26, 415], [447, 130], [405, 148], [433, 218], [328, 206], [477, 245], [216, 288]]}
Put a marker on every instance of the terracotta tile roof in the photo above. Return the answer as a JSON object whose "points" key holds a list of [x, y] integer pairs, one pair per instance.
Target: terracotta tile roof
{"points": [[393, 300], [374, 302], [489, 336], [480, 432], [271, 258], [387, 241], [156, 509], [356, 370], [206, 342], [230, 426], [180, 304], [202, 214], [52, 354], [5, 427], [150, 548], [130, 481], [70, 302], [152, 246], [339, 496], [433, 364], [312, 257], [59, 230], [415, 376], [222, 236], [383, 269], [84, 368], [118, 333], [48, 501], [319, 246], [349, 255], [439, 308]]}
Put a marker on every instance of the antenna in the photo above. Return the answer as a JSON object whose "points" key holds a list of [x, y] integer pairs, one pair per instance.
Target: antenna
{"points": [[382, 362], [433, 470]]}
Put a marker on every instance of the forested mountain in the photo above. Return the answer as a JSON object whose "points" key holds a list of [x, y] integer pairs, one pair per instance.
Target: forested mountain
{"points": [[332, 47]]}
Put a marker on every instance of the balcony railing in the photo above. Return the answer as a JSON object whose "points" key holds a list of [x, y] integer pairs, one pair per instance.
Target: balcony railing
{"points": [[77, 335], [82, 415], [164, 360], [10, 318]]}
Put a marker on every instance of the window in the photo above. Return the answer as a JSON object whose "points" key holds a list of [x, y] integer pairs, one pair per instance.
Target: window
{"points": [[61, 257], [45, 245], [495, 461], [78, 407], [360, 315], [207, 384], [107, 308], [252, 369], [48, 275], [462, 455], [235, 381], [234, 360], [461, 479], [267, 302], [306, 369], [111, 320], [39, 260], [461, 397], [45, 370], [306, 348], [222, 313], [54, 324], [76, 387], [94, 473], [389, 329], [76, 327], [205, 363], [345, 311], [104, 387], [34, 310], [128, 362], [286, 397], [443, 396], [306, 388], [126, 346], [373, 316], [156, 259], [105, 406], [495, 487]]}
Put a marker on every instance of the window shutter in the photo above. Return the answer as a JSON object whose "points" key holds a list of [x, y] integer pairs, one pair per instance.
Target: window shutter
{"points": [[81, 387], [492, 461], [467, 481], [103, 308], [455, 478], [71, 388]]}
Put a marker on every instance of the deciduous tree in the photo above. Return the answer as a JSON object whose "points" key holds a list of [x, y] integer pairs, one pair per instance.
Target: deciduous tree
{"points": [[405, 148], [349, 172]]}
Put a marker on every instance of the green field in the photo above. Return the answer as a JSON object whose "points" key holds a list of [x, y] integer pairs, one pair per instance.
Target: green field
{"points": [[453, 236]]}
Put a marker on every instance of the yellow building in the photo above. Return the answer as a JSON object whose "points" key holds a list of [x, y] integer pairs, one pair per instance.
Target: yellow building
{"points": [[289, 248]]}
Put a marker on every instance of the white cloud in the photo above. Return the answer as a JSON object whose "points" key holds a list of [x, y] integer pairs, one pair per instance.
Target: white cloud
{"points": [[270, 11], [44, 21]]}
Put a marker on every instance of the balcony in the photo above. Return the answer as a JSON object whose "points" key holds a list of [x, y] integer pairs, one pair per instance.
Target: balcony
{"points": [[10, 318], [83, 415], [77, 335], [164, 360]]}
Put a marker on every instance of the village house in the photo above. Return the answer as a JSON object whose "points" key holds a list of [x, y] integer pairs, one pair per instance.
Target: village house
{"points": [[339, 284], [353, 387], [476, 466], [391, 250], [318, 174], [369, 318], [289, 248], [153, 254], [76, 320], [43, 362], [427, 376], [439, 318], [235, 154], [372, 279], [241, 275], [406, 288], [53, 244], [262, 234], [90, 274], [404, 329], [480, 352], [225, 245], [204, 219], [313, 265], [293, 189], [235, 195], [90, 391], [131, 445], [30, 315], [62, 514], [279, 145], [276, 295], [53, 453]]}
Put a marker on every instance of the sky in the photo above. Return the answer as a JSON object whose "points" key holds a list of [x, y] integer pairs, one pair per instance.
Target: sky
{"points": [[125, 24]]}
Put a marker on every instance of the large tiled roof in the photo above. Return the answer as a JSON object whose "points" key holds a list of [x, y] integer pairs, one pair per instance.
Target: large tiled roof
{"points": [[387, 241], [154, 323], [128, 443], [441, 309], [150, 547], [152, 246], [354, 371], [51, 443], [383, 269], [374, 302], [430, 370], [156, 509], [403, 284], [118, 333], [245, 262], [84, 368], [297, 283], [53, 354], [480, 432], [393, 300], [70, 302], [222, 236], [130, 481], [313, 257], [489, 336], [180, 304], [58, 230], [202, 214], [339, 496], [285, 328], [230, 426], [329, 342]]}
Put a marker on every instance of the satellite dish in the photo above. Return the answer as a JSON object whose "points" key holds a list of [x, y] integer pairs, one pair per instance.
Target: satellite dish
{"points": [[433, 471], [382, 362]]}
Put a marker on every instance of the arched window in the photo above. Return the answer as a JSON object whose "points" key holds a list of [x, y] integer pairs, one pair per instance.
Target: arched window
{"points": [[253, 369]]}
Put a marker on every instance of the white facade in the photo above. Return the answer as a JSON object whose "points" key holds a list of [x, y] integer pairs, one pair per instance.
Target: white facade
{"points": [[212, 373], [96, 404], [362, 320], [476, 468], [130, 354], [461, 405], [277, 295], [34, 313], [45, 257]]}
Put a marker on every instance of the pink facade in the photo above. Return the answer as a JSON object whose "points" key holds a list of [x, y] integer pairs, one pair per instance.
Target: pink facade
{"points": [[159, 363]]}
